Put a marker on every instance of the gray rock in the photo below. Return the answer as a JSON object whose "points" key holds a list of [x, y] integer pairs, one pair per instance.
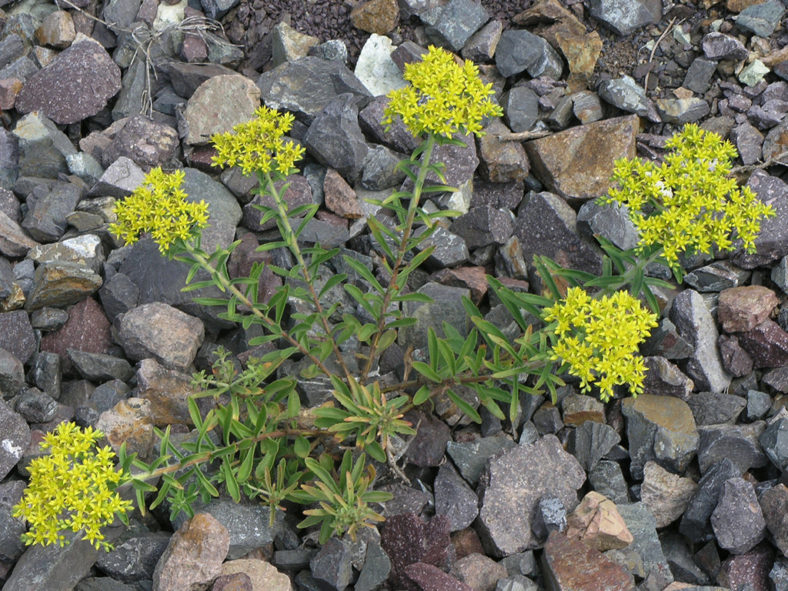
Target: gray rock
{"points": [[216, 9], [610, 221], [75, 85], [46, 373], [482, 44], [307, 85], [772, 242], [737, 520], [331, 50], [738, 443], [134, 556], [586, 106], [470, 457], [646, 544], [457, 21], [710, 408], [454, 498], [513, 485], [376, 569], [162, 332], [483, 225], [14, 242], [15, 439], [748, 141], [380, 169], [520, 50], [758, 404], [775, 442], [546, 225], [118, 295], [41, 147], [626, 17], [18, 336], [446, 306], [696, 325], [85, 250], [335, 139], [520, 107], [133, 92], [625, 94], [120, 179], [761, 19], [665, 379], [682, 110], [12, 374], [98, 367], [11, 528], [681, 561], [695, 523], [698, 78], [398, 137], [332, 565], [107, 395], [48, 207], [778, 575], [591, 441], [719, 46], [715, 277], [217, 106], [450, 249], [9, 158], [607, 478], [665, 494]]}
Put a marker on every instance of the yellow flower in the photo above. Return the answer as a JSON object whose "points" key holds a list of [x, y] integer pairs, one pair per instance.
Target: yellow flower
{"points": [[159, 207], [598, 339], [688, 203], [72, 488], [443, 98], [258, 145]]}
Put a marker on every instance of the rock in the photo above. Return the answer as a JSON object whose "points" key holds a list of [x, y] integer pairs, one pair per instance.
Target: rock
{"points": [[775, 442], [381, 170], [682, 110], [502, 161], [41, 147], [521, 108], [520, 50], [737, 520], [747, 570], [407, 540], [578, 163], [446, 306], [483, 225], [719, 46], [695, 324], [478, 572], [120, 179], [262, 575], [748, 141], [331, 565], [546, 225], [307, 85], [431, 578], [591, 441], [397, 137], [375, 69], [14, 241], [134, 558], [738, 443], [767, 345], [335, 139], [597, 523], [665, 379], [15, 439], [167, 390], [449, 249], [454, 498], [130, 421], [482, 44], [659, 428], [160, 331], [716, 277], [772, 242], [774, 506], [665, 494], [470, 457], [571, 564], [699, 74], [646, 544], [62, 284], [741, 309], [695, 523], [711, 408], [193, 556], [19, 340], [48, 207], [375, 16], [57, 30], [761, 19], [513, 484], [428, 446], [340, 197], [288, 45], [626, 18], [76, 85], [455, 23]]}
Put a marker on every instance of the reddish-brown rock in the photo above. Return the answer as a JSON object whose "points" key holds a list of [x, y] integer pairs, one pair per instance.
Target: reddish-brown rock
{"points": [[571, 564]]}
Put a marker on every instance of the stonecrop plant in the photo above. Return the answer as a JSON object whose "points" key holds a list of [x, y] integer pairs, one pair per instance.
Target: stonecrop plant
{"points": [[73, 488], [258, 440]]}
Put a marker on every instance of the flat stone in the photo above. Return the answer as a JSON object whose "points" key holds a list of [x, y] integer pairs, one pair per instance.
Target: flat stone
{"points": [[737, 520], [14, 241], [48, 208], [713, 408], [716, 277], [571, 564], [456, 22], [625, 18], [695, 523], [217, 106], [454, 498], [130, 421], [146, 142], [120, 179], [262, 575], [520, 51], [695, 324], [76, 85], [646, 544], [288, 45], [478, 571], [738, 443], [134, 558], [375, 68], [665, 494], [167, 390], [502, 161], [719, 46], [160, 331], [547, 225], [56, 30], [682, 110], [41, 148], [659, 428], [194, 555], [513, 484], [577, 163], [61, 284], [408, 540], [521, 108]]}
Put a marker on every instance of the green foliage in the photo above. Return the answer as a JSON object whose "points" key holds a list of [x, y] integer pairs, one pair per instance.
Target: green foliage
{"points": [[71, 488], [253, 439]]}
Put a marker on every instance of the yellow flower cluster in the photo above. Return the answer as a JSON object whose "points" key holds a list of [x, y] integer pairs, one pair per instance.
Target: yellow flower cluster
{"points": [[258, 145], [598, 339], [689, 203], [72, 488], [159, 207], [443, 98]]}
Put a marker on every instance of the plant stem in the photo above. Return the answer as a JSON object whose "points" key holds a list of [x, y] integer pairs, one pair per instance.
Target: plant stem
{"points": [[393, 287]]}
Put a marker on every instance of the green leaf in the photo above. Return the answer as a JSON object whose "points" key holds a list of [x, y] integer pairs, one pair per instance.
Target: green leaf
{"points": [[421, 396], [386, 340], [332, 281], [230, 481], [426, 371], [464, 406], [301, 447], [364, 272], [376, 451], [245, 470]]}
